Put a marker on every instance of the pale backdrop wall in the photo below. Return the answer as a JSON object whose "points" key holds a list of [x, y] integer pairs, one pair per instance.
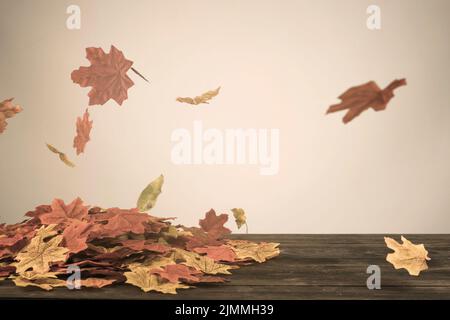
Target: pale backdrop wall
{"points": [[280, 64]]}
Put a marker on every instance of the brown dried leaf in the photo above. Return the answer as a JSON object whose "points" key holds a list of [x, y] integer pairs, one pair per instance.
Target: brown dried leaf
{"points": [[201, 263], [259, 252], [409, 256], [142, 278], [7, 110], [204, 98], [84, 127], [62, 156]]}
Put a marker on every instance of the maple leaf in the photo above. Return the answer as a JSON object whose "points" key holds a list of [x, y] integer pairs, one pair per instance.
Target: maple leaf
{"points": [[84, 127], [213, 224], [409, 256], [96, 282], [218, 253], [149, 195], [39, 253], [46, 281], [76, 235], [107, 75], [201, 263], [62, 213], [240, 218], [360, 98], [204, 98], [62, 156], [175, 272], [7, 110], [142, 278], [259, 252], [122, 221], [140, 245]]}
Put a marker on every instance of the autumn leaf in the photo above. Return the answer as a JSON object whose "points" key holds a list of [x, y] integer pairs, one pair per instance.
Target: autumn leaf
{"points": [[107, 75], [149, 195], [360, 98], [76, 235], [175, 272], [120, 221], [46, 281], [61, 213], [260, 252], [7, 110], [39, 254], [213, 224], [142, 278], [204, 98], [62, 156], [96, 282], [218, 253], [84, 127], [409, 256], [240, 218], [202, 263]]}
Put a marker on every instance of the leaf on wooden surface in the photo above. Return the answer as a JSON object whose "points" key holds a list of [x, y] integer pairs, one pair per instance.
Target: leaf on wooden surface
{"points": [[175, 272], [218, 253], [142, 278], [149, 195], [360, 98], [7, 110], [39, 254], [62, 156], [204, 98], [259, 252], [202, 263], [83, 127], [107, 75], [409, 256], [46, 281]]}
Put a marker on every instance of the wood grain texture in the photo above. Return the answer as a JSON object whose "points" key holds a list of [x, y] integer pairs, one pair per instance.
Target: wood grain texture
{"points": [[309, 267]]}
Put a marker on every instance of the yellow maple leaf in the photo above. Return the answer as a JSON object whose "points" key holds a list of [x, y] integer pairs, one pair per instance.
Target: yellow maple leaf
{"points": [[153, 263], [259, 252], [201, 263], [62, 156], [38, 254], [204, 98], [141, 277], [46, 281], [412, 257], [240, 218]]}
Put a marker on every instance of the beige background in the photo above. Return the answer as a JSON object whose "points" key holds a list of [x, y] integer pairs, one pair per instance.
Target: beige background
{"points": [[280, 64]]}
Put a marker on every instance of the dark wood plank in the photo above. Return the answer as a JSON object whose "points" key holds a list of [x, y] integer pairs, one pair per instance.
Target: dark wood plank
{"points": [[309, 267]]}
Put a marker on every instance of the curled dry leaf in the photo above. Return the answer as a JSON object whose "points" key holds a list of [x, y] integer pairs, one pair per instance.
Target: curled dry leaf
{"points": [[360, 98], [107, 75], [204, 98], [149, 195], [142, 278], [239, 217], [62, 156], [258, 252], [83, 127], [409, 256], [7, 110]]}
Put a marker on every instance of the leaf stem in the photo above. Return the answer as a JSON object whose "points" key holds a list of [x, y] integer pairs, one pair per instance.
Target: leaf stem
{"points": [[139, 74]]}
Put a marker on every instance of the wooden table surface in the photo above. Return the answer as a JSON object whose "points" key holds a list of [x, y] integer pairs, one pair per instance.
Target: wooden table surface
{"points": [[309, 267]]}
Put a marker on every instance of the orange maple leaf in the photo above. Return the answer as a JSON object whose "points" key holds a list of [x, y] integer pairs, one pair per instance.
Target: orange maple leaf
{"points": [[84, 127]]}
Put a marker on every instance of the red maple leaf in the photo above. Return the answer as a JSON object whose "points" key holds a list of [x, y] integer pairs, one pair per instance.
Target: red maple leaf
{"points": [[140, 245], [107, 75], [119, 221], [218, 253], [76, 235], [84, 127], [213, 224], [360, 98], [61, 212], [175, 272]]}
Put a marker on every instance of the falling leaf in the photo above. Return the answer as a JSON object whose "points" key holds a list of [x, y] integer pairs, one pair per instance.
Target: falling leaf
{"points": [[259, 252], [204, 98], [409, 256], [149, 195], [360, 98], [84, 127], [39, 254], [240, 218], [62, 156], [7, 110], [142, 278], [107, 75]]}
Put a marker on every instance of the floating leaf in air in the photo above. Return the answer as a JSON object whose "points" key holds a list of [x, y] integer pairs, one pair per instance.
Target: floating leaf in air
{"points": [[7, 110], [409, 256], [240, 218], [84, 127], [62, 156], [204, 98], [149, 195], [360, 98]]}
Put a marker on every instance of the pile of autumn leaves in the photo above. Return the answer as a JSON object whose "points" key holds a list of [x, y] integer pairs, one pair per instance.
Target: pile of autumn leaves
{"points": [[112, 246]]}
